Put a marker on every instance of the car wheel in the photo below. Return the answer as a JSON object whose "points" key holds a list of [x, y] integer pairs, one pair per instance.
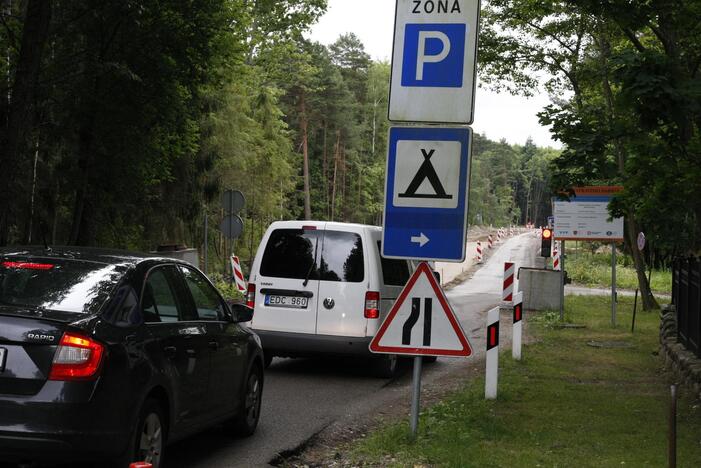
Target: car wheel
{"points": [[387, 366], [246, 421], [148, 440]]}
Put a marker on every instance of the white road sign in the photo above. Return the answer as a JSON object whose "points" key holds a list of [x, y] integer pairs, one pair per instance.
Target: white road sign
{"points": [[434, 61], [421, 322]]}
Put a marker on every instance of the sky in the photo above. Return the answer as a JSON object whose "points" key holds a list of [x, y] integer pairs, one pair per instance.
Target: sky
{"points": [[497, 116]]}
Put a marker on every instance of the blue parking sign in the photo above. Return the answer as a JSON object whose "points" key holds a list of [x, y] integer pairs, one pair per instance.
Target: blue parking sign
{"points": [[434, 55], [434, 61]]}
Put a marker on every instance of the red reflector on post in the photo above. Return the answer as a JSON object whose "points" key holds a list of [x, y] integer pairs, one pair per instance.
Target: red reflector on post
{"points": [[493, 336], [372, 305], [28, 265], [517, 313]]}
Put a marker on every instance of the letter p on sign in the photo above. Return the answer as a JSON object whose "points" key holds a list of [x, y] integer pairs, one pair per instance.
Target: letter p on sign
{"points": [[434, 55]]}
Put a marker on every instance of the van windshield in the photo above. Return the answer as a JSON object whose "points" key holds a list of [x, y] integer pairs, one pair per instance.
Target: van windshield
{"points": [[317, 255]]}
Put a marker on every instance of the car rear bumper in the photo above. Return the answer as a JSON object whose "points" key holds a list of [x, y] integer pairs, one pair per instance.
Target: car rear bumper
{"points": [[301, 344], [50, 427]]}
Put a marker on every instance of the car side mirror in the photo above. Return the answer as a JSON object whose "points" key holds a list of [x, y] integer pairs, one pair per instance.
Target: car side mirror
{"points": [[241, 312]]}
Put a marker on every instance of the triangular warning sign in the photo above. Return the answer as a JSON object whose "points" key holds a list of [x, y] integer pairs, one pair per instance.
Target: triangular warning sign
{"points": [[421, 321]]}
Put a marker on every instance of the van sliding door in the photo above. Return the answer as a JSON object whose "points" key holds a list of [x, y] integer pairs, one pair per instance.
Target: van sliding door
{"points": [[342, 285]]}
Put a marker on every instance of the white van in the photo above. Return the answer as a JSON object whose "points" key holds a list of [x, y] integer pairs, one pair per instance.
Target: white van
{"points": [[322, 288]]}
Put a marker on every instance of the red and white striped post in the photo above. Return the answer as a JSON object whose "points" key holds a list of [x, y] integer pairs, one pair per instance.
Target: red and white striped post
{"points": [[238, 274], [518, 326], [508, 289], [491, 241], [556, 256], [491, 375], [479, 252]]}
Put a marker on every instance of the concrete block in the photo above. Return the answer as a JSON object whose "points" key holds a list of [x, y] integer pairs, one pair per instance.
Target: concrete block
{"points": [[541, 288]]}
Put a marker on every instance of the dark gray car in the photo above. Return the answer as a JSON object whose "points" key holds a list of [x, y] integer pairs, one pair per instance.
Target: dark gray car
{"points": [[110, 355]]}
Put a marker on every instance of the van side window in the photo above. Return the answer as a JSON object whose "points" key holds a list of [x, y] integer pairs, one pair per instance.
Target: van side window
{"points": [[342, 257], [292, 254], [394, 272]]}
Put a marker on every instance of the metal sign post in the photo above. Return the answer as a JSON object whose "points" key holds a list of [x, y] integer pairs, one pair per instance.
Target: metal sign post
{"points": [[416, 395], [562, 281], [613, 284]]}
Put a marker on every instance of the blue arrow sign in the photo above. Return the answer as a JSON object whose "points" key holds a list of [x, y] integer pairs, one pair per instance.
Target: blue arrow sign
{"points": [[426, 186]]}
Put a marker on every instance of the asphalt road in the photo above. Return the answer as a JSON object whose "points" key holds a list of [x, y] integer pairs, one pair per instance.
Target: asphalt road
{"points": [[303, 396]]}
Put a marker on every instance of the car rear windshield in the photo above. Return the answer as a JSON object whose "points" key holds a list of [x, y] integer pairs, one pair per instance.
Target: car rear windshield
{"points": [[56, 284], [314, 254]]}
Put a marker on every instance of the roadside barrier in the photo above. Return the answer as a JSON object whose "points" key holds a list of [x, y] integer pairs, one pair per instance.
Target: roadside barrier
{"points": [[491, 241], [508, 289], [238, 274], [556, 256], [518, 326], [492, 370], [479, 252]]}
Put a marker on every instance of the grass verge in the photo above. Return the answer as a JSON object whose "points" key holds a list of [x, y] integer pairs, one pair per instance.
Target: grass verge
{"points": [[565, 404], [595, 270]]}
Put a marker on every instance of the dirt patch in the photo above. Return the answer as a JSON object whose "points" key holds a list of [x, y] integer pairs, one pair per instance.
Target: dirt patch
{"points": [[331, 446]]}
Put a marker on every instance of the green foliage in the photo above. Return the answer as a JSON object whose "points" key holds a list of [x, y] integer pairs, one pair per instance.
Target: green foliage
{"points": [[595, 270], [146, 111]]}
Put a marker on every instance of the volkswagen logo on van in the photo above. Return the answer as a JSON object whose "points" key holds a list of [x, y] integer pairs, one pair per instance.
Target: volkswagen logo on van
{"points": [[329, 303]]}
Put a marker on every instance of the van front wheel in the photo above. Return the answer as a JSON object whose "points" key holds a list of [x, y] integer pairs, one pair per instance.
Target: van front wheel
{"points": [[386, 366]]}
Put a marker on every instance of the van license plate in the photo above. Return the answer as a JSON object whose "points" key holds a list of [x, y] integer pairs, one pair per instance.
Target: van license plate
{"points": [[3, 358], [294, 302]]}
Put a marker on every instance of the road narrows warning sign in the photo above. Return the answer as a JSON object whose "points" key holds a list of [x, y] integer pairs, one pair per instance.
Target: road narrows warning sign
{"points": [[421, 322]]}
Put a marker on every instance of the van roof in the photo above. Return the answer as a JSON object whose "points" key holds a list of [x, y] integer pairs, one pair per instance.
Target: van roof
{"points": [[318, 223]]}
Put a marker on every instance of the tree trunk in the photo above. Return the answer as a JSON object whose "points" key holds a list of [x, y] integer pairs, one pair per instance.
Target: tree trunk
{"points": [[336, 150], [34, 37], [648, 299], [303, 124], [325, 170]]}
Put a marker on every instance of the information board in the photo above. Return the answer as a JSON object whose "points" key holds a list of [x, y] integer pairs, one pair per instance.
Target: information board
{"points": [[585, 216]]}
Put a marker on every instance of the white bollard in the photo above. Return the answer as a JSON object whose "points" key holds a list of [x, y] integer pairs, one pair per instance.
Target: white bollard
{"points": [[518, 326], [491, 376], [479, 252]]}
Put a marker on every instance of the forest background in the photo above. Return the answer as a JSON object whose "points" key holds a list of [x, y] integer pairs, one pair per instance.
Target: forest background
{"points": [[123, 121]]}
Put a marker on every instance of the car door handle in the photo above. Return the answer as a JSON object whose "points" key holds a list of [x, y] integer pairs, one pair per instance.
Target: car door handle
{"points": [[170, 351], [214, 345]]}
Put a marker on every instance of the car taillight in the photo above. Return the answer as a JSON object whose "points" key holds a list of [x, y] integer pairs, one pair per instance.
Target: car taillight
{"points": [[372, 304], [77, 358], [251, 295]]}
